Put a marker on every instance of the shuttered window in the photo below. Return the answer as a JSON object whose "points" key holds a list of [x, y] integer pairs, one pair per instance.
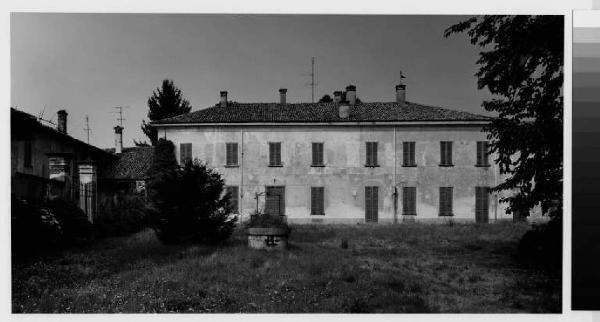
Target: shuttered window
{"points": [[408, 151], [482, 204], [231, 154], [317, 204], [234, 193], [446, 153], [27, 155], [317, 154], [185, 152], [275, 154], [275, 200], [371, 154], [446, 201], [482, 154], [371, 204], [409, 200]]}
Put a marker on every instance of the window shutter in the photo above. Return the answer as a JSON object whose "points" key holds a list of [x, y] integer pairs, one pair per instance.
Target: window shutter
{"points": [[412, 153], [449, 152], [313, 201], [374, 157], [314, 154], [368, 153], [405, 153]]}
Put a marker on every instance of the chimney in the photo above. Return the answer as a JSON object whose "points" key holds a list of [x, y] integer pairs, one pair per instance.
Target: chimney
{"points": [[337, 96], [401, 94], [62, 121], [344, 111], [351, 94], [223, 98], [118, 139], [282, 92]]}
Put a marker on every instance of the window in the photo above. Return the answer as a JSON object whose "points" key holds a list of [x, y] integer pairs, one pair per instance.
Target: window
{"points": [[275, 200], [275, 154], [233, 191], [185, 152], [482, 204], [371, 205], [446, 153], [27, 155], [408, 151], [317, 154], [371, 154], [446, 201], [482, 154], [409, 201], [231, 154], [317, 206]]}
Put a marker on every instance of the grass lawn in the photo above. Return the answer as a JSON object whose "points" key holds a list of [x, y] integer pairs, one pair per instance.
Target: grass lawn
{"points": [[393, 268]]}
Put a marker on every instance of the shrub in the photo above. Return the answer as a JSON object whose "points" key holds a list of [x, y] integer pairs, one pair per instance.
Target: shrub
{"points": [[187, 202], [124, 215], [541, 246], [32, 228], [77, 230]]}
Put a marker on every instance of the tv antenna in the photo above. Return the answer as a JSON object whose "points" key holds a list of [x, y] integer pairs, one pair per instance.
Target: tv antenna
{"points": [[120, 111], [312, 83], [87, 128]]}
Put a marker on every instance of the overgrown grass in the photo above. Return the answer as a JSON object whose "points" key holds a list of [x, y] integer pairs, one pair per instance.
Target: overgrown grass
{"points": [[402, 268]]}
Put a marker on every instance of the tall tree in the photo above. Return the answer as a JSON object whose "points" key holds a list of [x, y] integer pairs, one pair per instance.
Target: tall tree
{"points": [[521, 64], [166, 101], [326, 99]]}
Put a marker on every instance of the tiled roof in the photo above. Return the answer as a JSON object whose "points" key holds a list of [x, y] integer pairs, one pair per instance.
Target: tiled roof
{"points": [[320, 112], [132, 164]]}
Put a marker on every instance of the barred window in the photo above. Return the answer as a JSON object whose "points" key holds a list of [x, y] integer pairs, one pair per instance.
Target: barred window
{"points": [[275, 154], [317, 204], [409, 200], [371, 154], [317, 154], [482, 204], [482, 154], [446, 153], [234, 193]]}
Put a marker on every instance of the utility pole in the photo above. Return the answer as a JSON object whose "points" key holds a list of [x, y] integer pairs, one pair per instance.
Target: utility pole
{"points": [[87, 128]]}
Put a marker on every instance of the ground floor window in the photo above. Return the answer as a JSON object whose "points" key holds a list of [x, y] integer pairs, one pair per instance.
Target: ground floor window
{"points": [[446, 201], [409, 201], [317, 206], [371, 204], [275, 200], [482, 204], [234, 199]]}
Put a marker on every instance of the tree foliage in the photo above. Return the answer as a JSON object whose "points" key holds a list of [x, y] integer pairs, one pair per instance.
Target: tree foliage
{"points": [[187, 203], [521, 64], [326, 99], [166, 101]]}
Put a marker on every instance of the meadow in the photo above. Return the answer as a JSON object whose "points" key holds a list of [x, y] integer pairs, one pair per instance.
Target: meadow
{"points": [[384, 268]]}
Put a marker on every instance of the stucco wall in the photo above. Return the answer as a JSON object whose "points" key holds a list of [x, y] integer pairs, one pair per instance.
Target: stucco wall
{"points": [[345, 175]]}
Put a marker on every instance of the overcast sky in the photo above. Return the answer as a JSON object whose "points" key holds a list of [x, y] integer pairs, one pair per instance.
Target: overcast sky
{"points": [[88, 63]]}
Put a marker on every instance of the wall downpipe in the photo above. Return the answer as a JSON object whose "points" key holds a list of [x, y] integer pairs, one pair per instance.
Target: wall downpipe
{"points": [[241, 172], [394, 182]]}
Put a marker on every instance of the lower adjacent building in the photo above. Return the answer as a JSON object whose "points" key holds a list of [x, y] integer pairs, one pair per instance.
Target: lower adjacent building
{"points": [[345, 161]]}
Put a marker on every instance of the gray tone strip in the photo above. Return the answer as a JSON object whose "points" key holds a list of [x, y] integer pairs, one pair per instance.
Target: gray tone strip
{"points": [[586, 65], [586, 35], [586, 94], [586, 80], [586, 50]]}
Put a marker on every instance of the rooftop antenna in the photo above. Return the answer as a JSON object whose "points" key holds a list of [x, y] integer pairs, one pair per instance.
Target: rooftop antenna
{"points": [[87, 128], [120, 111], [401, 77], [312, 83], [41, 115]]}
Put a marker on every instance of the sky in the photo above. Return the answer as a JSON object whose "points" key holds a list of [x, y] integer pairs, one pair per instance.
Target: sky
{"points": [[89, 63]]}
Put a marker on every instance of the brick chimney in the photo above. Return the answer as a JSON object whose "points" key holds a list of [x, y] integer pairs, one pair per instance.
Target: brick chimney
{"points": [[351, 94], [223, 99], [401, 94], [282, 92], [62, 121], [337, 96], [118, 139]]}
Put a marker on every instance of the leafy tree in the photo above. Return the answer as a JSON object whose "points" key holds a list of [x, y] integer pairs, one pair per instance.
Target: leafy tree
{"points": [[166, 101], [187, 202], [521, 64], [326, 99]]}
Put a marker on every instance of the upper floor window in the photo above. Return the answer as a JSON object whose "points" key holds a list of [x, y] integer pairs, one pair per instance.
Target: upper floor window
{"points": [[371, 154], [317, 154], [27, 156], [185, 152], [446, 153], [482, 154], [231, 154], [408, 151], [274, 154]]}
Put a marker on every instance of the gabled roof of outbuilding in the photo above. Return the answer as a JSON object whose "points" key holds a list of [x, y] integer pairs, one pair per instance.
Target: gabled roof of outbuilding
{"points": [[319, 113], [132, 164]]}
